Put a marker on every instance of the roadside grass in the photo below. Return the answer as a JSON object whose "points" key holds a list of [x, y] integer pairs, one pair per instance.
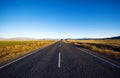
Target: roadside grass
{"points": [[110, 48], [12, 49]]}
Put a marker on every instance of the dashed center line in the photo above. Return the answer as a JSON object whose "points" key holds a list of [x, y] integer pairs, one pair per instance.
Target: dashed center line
{"points": [[59, 60], [60, 45]]}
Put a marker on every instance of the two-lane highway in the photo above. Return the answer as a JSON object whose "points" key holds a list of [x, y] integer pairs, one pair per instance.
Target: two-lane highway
{"points": [[61, 60]]}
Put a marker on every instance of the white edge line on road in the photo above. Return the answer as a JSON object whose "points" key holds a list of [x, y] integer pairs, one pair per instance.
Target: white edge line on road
{"points": [[59, 60], [15, 60], [23, 57], [100, 58]]}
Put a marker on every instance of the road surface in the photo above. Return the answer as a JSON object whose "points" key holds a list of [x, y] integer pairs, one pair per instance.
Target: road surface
{"points": [[61, 60]]}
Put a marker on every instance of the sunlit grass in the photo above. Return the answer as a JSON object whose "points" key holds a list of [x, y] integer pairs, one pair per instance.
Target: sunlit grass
{"points": [[12, 49], [110, 48]]}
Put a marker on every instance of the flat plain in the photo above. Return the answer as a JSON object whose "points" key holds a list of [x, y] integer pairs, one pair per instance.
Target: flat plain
{"points": [[108, 47], [13, 49]]}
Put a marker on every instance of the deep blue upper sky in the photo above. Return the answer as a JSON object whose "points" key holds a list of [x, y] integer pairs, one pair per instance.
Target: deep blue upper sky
{"points": [[59, 18]]}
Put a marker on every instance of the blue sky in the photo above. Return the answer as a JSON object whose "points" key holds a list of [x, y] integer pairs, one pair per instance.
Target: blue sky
{"points": [[59, 18]]}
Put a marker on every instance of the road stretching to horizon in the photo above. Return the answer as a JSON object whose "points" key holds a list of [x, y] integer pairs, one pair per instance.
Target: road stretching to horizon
{"points": [[61, 60]]}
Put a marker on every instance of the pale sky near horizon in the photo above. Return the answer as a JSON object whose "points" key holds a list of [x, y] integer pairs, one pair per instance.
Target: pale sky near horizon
{"points": [[59, 18]]}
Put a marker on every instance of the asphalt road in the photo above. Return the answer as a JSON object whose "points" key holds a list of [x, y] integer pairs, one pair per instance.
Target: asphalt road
{"points": [[61, 60]]}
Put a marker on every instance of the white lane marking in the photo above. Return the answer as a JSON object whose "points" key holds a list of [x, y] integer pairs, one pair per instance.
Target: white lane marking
{"points": [[15, 60], [59, 60], [100, 58], [22, 57], [60, 45]]}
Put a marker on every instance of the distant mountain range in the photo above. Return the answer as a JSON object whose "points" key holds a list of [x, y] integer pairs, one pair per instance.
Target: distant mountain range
{"points": [[26, 38], [18, 38], [116, 37]]}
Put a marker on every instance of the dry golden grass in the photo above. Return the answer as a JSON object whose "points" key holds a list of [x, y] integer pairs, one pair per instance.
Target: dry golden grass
{"points": [[110, 48], [108, 42], [12, 49]]}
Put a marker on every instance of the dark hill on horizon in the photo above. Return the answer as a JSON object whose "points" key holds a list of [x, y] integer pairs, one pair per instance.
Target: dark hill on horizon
{"points": [[116, 37]]}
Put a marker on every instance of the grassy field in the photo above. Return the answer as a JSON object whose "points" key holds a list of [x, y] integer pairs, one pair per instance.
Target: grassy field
{"points": [[12, 49], [110, 48]]}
